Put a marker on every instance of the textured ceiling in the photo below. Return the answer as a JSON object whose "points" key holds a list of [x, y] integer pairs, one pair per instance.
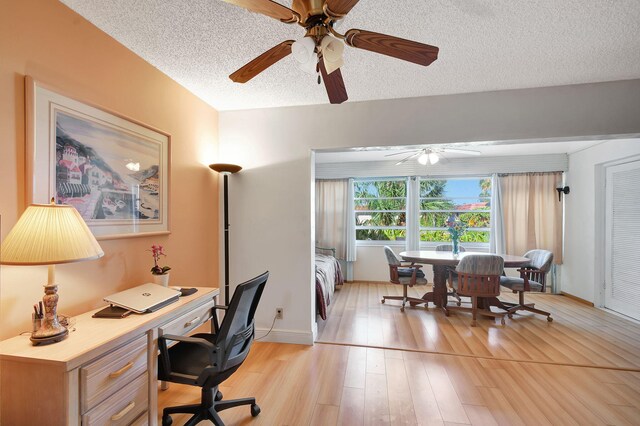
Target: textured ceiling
{"points": [[484, 45]]}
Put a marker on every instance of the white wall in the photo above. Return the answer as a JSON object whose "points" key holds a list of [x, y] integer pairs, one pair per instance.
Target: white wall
{"points": [[270, 203], [584, 209]]}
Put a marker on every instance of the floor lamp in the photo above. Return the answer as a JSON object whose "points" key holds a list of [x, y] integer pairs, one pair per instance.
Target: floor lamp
{"points": [[225, 170]]}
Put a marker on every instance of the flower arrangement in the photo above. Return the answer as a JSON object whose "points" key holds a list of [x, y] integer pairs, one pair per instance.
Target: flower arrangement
{"points": [[456, 229], [156, 269]]}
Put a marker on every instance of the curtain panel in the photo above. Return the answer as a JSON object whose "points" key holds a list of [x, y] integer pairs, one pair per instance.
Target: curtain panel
{"points": [[532, 214], [332, 215]]}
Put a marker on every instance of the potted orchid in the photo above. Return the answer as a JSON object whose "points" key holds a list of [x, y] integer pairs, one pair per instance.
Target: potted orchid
{"points": [[456, 229], [160, 273]]}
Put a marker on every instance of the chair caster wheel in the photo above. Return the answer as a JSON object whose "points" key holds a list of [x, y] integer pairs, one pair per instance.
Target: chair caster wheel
{"points": [[255, 410], [382, 301], [167, 420], [510, 316], [502, 321], [402, 309], [459, 303], [218, 396], [549, 319]]}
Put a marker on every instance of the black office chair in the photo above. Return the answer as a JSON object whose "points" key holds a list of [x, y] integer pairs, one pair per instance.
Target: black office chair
{"points": [[207, 359]]}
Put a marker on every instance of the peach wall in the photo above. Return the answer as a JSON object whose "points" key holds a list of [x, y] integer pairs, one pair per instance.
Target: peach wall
{"points": [[54, 45]]}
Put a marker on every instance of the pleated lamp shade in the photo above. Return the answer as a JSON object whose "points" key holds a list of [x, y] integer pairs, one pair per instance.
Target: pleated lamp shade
{"points": [[48, 234]]}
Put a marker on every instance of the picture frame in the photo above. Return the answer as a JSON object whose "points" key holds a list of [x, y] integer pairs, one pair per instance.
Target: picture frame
{"points": [[113, 169]]}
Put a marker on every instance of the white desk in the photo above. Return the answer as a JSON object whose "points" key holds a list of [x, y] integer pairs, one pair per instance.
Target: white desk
{"points": [[105, 371]]}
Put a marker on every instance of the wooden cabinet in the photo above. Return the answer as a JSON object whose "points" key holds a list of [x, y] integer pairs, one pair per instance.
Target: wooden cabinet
{"points": [[103, 373]]}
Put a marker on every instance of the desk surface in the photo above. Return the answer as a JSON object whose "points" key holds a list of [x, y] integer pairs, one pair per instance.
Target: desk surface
{"points": [[447, 258], [92, 333]]}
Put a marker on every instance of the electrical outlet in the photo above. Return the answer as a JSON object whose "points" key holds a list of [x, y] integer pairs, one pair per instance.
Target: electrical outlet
{"points": [[279, 313]]}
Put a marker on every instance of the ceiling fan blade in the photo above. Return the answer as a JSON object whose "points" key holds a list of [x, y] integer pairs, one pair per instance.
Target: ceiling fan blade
{"points": [[334, 84], [400, 152], [262, 62], [269, 8], [461, 151], [415, 154], [412, 51], [338, 8]]}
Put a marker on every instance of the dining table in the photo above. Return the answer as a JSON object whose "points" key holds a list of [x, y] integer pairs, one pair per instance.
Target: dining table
{"points": [[442, 262]]}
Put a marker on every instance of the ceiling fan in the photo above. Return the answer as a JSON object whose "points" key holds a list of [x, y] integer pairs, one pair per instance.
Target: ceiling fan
{"points": [[430, 155], [320, 50]]}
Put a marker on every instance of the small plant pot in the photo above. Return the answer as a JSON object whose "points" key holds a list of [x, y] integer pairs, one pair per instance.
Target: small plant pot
{"points": [[162, 280]]}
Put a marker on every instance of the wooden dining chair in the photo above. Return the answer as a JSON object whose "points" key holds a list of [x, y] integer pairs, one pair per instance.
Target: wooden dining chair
{"points": [[406, 274], [451, 291], [478, 277], [532, 278]]}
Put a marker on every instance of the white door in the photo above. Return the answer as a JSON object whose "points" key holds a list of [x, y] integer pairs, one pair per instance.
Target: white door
{"points": [[622, 241]]}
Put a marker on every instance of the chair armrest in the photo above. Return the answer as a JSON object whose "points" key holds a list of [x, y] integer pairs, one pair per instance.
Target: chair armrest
{"points": [[214, 317], [188, 339], [526, 274], [395, 277], [164, 352]]}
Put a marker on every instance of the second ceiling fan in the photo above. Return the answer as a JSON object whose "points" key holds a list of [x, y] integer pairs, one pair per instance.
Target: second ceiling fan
{"points": [[321, 49]]}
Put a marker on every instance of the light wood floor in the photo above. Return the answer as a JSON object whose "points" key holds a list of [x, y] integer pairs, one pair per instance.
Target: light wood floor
{"points": [[582, 369]]}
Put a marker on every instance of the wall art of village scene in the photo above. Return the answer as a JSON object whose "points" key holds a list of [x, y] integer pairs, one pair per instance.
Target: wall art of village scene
{"points": [[105, 173]]}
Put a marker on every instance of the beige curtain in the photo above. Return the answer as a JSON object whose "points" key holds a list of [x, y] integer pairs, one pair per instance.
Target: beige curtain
{"points": [[532, 213], [332, 213]]}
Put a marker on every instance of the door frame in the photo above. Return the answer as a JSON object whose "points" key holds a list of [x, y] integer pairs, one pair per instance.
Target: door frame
{"points": [[600, 199]]}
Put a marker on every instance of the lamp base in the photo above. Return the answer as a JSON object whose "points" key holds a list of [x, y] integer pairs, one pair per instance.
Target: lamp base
{"points": [[45, 340], [50, 331]]}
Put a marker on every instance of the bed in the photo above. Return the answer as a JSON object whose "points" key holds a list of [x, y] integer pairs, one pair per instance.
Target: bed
{"points": [[328, 276]]}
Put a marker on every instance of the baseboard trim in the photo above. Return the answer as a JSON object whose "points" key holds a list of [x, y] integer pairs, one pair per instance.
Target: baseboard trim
{"points": [[297, 337], [577, 299]]}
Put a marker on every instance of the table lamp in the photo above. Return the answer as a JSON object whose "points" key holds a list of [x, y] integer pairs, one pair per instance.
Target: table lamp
{"points": [[49, 234]]}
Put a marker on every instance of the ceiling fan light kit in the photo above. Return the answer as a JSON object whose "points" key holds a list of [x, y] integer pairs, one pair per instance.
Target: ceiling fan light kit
{"points": [[332, 50], [430, 155], [321, 48]]}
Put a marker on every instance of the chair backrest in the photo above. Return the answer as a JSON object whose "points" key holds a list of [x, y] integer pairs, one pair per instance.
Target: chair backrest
{"points": [[237, 330], [391, 256], [540, 259], [481, 264], [479, 275], [448, 247]]}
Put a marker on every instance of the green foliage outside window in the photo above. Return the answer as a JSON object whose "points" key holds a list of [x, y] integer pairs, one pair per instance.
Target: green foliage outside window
{"points": [[380, 204], [380, 209]]}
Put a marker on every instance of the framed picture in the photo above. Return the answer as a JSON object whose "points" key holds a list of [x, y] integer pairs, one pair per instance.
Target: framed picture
{"points": [[113, 170]]}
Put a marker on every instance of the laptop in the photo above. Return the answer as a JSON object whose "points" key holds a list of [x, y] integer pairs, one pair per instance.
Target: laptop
{"points": [[144, 298]]}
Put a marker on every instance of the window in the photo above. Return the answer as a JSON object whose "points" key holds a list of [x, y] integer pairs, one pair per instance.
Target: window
{"points": [[380, 209], [468, 199]]}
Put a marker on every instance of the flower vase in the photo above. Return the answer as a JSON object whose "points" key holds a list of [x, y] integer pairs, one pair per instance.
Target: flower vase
{"points": [[455, 248], [162, 279]]}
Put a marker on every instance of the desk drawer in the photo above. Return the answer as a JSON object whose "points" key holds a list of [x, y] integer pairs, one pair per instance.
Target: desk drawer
{"points": [[123, 407], [187, 322], [103, 377]]}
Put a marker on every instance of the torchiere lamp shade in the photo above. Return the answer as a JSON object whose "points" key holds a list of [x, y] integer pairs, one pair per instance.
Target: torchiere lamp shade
{"points": [[49, 234], [225, 168]]}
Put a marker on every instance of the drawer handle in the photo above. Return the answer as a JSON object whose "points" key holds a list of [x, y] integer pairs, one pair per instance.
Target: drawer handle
{"points": [[124, 412], [190, 323], [121, 371]]}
